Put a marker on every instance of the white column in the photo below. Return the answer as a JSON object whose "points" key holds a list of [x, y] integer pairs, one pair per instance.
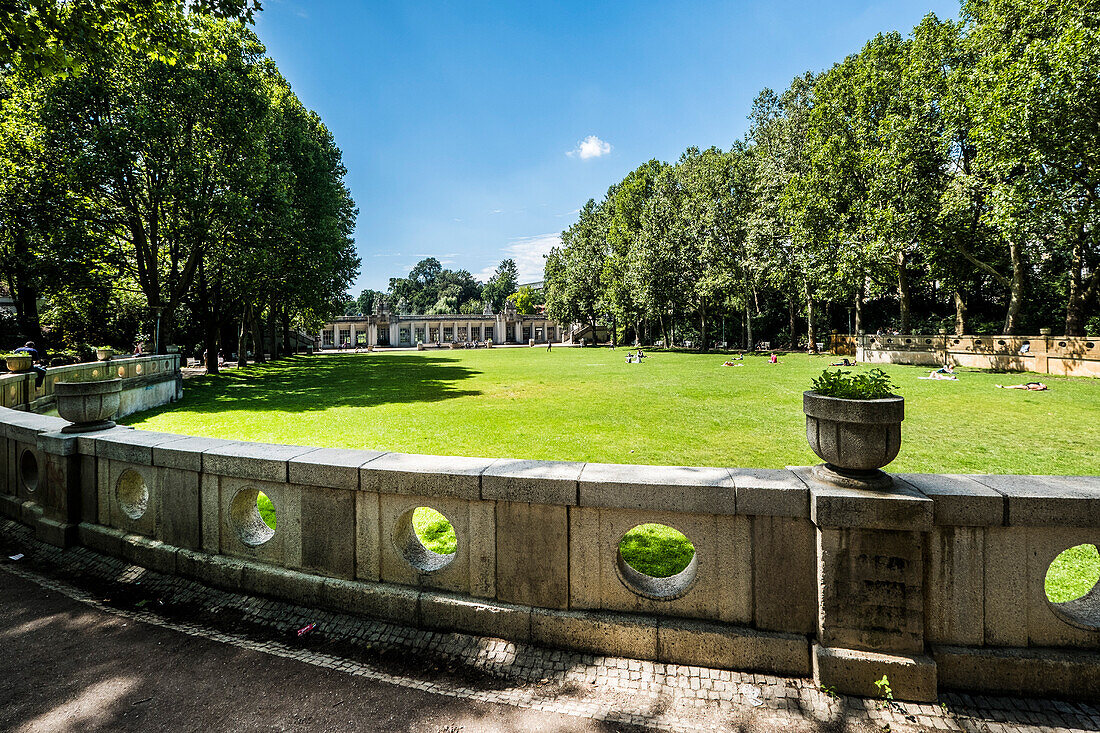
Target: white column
{"points": [[353, 343], [519, 331], [336, 335], [393, 334]]}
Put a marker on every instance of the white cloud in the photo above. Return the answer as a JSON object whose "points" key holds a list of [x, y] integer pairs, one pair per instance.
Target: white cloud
{"points": [[528, 252], [590, 147]]}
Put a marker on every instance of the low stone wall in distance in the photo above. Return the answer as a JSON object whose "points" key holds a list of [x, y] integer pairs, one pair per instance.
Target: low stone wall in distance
{"points": [[1061, 355], [936, 584], [147, 382]]}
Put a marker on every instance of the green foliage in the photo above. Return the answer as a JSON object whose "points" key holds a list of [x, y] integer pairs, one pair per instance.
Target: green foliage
{"points": [[266, 509], [884, 689], [526, 300], [870, 385]]}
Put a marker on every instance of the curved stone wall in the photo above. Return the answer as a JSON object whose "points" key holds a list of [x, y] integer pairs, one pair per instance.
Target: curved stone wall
{"points": [[1062, 355], [936, 584], [147, 381]]}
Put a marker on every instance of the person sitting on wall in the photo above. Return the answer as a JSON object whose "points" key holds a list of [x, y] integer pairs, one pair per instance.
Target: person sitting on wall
{"points": [[1031, 386], [39, 372]]}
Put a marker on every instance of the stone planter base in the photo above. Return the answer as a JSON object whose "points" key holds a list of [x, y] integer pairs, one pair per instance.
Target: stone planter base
{"points": [[88, 427], [852, 478]]}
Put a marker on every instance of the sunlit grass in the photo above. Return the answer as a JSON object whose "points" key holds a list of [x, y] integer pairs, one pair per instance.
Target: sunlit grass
{"points": [[656, 550], [1073, 573], [589, 405], [434, 530], [267, 509]]}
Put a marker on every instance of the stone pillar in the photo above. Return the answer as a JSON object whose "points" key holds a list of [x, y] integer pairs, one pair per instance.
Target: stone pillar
{"points": [[336, 335], [519, 332], [58, 489], [1039, 347], [393, 333], [353, 341], [870, 575]]}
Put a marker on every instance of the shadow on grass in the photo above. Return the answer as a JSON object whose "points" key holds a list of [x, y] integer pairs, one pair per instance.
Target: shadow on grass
{"points": [[304, 384]]}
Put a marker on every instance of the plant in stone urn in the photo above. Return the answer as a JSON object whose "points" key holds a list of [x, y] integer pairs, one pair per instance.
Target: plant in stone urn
{"points": [[18, 361], [853, 423], [88, 405], [103, 353]]}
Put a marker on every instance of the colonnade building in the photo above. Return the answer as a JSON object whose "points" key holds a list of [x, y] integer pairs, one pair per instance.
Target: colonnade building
{"points": [[384, 328]]}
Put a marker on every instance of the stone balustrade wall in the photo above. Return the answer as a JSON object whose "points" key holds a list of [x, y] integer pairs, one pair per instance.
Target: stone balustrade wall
{"points": [[938, 583], [1061, 355], [148, 381]]}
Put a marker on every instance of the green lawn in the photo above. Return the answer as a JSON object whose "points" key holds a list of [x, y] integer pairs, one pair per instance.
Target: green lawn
{"points": [[588, 405], [674, 409]]}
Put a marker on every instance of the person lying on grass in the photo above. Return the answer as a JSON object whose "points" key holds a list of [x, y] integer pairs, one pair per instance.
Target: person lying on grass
{"points": [[942, 375], [730, 363], [843, 362], [1032, 386]]}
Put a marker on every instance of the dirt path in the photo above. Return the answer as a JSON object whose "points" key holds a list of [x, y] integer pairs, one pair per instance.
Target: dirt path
{"points": [[67, 667]]}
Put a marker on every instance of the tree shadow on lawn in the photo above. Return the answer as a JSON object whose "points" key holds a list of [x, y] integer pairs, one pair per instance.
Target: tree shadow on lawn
{"points": [[304, 384]]}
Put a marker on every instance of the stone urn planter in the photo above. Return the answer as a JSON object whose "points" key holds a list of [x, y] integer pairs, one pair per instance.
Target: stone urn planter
{"points": [[103, 354], [19, 362], [88, 405], [855, 438], [419, 345]]}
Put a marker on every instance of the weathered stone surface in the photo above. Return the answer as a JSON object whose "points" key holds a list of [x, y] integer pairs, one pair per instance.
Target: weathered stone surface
{"points": [[328, 531], [730, 647], [784, 574], [149, 553], [1048, 501], [584, 558], [532, 543], [56, 533], [89, 501], [101, 539], [852, 672], [275, 582], [1073, 624], [1005, 586], [770, 492], [615, 634], [119, 472], [210, 512], [958, 500], [445, 612], [259, 461], [420, 475], [284, 547], [658, 488], [334, 468], [376, 600], [954, 596], [185, 453], [871, 590], [180, 508], [367, 538], [902, 507], [127, 444], [1033, 672], [536, 482], [396, 567], [483, 547]]}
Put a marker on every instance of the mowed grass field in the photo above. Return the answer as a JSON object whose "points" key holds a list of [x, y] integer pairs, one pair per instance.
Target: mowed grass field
{"points": [[673, 409], [589, 405]]}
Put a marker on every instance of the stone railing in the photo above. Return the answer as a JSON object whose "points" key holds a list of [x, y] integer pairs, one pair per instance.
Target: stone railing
{"points": [[937, 583], [1062, 355], [147, 381]]}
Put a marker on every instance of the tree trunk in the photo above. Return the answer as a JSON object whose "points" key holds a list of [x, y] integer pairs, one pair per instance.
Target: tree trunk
{"points": [[286, 334], [702, 328], [1016, 292], [1080, 290], [860, 295], [273, 328], [811, 334], [794, 322], [242, 341], [209, 324], [749, 340], [904, 296], [258, 338], [960, 314]]}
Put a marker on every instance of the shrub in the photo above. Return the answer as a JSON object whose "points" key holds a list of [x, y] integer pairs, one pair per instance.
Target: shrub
{"points": [[871, 385]]}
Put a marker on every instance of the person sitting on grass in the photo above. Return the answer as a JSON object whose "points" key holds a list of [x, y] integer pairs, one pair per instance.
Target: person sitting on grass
{"points": [[739, 357], [773, 359], [1032, 386]]}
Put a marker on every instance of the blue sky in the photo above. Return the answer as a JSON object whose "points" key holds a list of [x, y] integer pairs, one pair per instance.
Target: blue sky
{"points": [[475, 131]]}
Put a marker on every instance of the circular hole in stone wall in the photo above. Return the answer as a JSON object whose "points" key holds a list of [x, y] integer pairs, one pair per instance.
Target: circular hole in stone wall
{"points": [[1073, 586], [138, 368], [1062, 344], [247, 520], [122, 371], [425, 538], [132, 494], [657, 561], [1089, 344], [28, 470]]}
